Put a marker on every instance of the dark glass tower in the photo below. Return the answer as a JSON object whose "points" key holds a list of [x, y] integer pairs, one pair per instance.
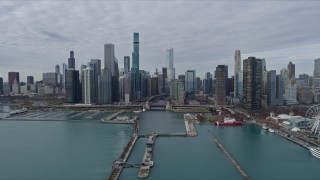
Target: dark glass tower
{"points": [[72, 61], [252, 80], [126, 64]]}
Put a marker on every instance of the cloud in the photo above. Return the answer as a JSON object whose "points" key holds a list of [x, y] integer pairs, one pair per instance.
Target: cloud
{"points": [[37, 35]]}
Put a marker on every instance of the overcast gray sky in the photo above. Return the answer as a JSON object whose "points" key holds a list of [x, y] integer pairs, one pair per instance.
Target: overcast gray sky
{"points": [[37, 35]]}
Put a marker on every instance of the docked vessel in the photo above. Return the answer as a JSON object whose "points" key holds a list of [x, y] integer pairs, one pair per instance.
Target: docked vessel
{"points": [[228, 121], [271, 130], [19, 111], [264, 127], [315, 151]]}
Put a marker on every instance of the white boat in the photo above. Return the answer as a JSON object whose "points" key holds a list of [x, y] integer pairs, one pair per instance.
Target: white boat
{"points": [[137, 111], [315, 151], [265, 127], [271, 130]]}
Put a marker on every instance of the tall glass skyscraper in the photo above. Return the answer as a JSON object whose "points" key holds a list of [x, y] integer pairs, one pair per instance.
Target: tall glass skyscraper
{"points": [[135, 53], [72, 61], [135, 73], [190, 82], [170, 69], [126, 64], [237, 69]]}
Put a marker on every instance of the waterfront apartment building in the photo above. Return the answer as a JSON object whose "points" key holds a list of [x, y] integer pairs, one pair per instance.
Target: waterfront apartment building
{"points": [[316, 77], [237, 69], [88, 85], [177, 91], [221, 75], [271, 88], [252, 79], [95, 65], [290, 91], [190, 83]]}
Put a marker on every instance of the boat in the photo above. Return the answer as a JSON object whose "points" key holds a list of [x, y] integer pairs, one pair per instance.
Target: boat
{"points": [[315, 151], [265, 127], [271, 130], [137, 111], [19, 111], [228, 121]]}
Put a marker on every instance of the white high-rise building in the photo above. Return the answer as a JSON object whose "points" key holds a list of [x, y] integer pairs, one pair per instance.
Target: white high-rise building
{"points": [[87, 85], [237, 69], [290, 90], [170, 68]]}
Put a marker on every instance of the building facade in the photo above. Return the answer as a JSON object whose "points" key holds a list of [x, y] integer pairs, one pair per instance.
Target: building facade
{"points": [[177, 91], [190, 82], [271, 88], [252, 80], [237, 69], [221, 75]]}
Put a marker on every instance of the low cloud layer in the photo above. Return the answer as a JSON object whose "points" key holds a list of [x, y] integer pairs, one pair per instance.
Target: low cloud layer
{"points": [[37, 35]]}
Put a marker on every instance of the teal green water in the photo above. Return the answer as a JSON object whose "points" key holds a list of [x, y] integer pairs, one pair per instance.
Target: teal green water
{"points": [[86, 150], [59, 150]]}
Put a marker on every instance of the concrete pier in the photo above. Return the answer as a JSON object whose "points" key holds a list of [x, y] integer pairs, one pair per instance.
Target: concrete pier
{"points": [[112, 116], [228, 155], [188, 121], [147, 162]]}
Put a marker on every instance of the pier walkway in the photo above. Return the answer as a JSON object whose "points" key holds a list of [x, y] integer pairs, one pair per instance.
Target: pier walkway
{"points": [[147, 162], [228, 155], [121, 163]]}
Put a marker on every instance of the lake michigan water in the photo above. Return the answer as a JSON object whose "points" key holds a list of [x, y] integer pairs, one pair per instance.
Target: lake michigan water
{"points": [[86, 149]]}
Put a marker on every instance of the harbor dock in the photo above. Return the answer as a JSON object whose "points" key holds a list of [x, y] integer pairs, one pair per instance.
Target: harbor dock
{"points": [[188, 121], [228, 155]]}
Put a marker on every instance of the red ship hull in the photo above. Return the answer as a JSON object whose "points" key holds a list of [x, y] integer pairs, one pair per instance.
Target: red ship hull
{"points": [[235, 123]]}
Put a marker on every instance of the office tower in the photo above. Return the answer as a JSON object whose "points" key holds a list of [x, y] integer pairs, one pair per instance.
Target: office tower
{"points": [[81, 80], [264, 88], [111, 63], [207, 84], [57, 69], [237, 69], [161, 84], [105, 86], [271, 88], [95, 65], [15, 87], [291, 68], [182, 77], [109, 57], [30, 80], [177, 91], [252, 79], [199, 83], [72, 61], [144, 83], [190, 83], [126, 64], [135, 75], [6, 89], [290, 92], [121, 87], [240, 84], [127, 88], [88, 85], [1, 85], [170, 68], [166, 87], [64, 68], [230, 86], [13, 76], [316, 75], [154, 86], [50, 79], [221, 75], [73, 92], [279, 90], [165, 72]]}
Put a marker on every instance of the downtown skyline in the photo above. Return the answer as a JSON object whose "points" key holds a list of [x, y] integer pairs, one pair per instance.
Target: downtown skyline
{"points": [[202, 43]]}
